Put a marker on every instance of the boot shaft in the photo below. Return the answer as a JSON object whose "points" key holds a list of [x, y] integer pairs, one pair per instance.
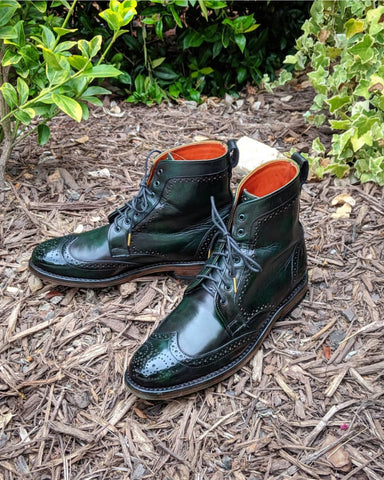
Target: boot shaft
{"points": [[177, 217]]}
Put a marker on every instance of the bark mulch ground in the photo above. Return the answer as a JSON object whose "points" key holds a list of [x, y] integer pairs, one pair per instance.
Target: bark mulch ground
{"points": [[309, 405]]}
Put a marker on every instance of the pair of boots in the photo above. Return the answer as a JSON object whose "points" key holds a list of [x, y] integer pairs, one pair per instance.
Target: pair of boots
{"points": [[247, 252]]}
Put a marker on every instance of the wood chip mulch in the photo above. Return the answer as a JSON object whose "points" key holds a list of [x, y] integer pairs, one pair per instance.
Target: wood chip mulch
{"points": [[309, 405]]}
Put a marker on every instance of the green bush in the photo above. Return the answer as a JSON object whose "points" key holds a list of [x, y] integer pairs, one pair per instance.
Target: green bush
{"points": [[190, 48], [41, 73], [343, 42]]}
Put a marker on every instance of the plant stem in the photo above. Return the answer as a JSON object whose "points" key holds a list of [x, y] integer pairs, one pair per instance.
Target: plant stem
{"points": [[113, 40]]}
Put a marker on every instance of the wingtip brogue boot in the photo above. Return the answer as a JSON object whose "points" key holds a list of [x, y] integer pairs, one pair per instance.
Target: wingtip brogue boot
{"points": [[166, 227], [256, 274]]}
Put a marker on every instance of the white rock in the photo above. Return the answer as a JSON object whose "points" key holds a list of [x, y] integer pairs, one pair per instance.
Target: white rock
{"points": [[254, 153], [103, 173]]}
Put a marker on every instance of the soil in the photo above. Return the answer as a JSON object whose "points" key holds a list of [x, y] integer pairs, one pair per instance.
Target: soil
{"points": [[309, 405]]}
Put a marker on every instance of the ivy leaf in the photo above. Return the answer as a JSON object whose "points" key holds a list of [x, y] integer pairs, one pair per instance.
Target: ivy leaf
{"points": [[353, 26], [337, 102], [68, 105], [43, 134], [362, 49]]}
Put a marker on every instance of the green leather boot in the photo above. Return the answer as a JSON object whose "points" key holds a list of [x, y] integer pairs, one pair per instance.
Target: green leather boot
{"points": [[255, 274], [167, 227]]}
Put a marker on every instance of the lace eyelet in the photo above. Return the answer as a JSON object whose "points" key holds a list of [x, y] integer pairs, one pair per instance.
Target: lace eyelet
{"points": [[240, 232], [227, 287], [160, 171], [135, 214], [236, 260], [223, 301], [242, 216], [156, 183]]}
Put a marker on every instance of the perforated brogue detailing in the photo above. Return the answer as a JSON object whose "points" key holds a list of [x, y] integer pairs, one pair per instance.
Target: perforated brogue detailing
{"points": [[50, 252]]}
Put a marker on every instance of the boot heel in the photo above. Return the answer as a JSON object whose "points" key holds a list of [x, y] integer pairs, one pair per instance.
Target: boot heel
{"points": [[187, 272]]}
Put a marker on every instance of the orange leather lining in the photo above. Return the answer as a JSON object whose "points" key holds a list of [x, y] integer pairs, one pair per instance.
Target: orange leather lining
{"points": [[196, 151], [192, 151], [269, 178]]}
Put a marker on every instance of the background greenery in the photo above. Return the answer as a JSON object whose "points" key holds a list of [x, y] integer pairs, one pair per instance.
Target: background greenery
{"points": [[189, 48]]}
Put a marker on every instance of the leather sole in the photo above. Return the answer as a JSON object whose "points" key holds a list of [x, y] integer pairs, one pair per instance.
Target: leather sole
{"points": [[181, 270], [293, 299]]}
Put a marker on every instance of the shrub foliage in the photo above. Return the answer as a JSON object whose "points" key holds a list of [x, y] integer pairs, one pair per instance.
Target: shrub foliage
{"points": [[343, 42], [188, 48]]}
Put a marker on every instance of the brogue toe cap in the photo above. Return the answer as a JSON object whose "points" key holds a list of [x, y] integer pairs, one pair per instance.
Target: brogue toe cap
{"points": [[153, 365], [48, 255]]}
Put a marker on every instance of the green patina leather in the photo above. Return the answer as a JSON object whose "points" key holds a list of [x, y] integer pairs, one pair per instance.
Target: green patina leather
{"points": [[256, 274], [168, 229]]}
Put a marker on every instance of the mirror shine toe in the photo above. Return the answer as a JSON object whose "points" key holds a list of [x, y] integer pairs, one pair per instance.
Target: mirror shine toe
{"points": [[166, 227], [256, 273]]}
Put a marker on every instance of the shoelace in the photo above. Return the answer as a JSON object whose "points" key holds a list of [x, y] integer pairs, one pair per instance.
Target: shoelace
{"points": [[230, 251], [138, 204]]}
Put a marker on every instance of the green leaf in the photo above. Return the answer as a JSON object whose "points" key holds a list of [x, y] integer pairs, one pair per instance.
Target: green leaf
{"points": [[175, 15], [64, 31], [337, 102], [40, 6], [9, 94], [84, 48], [193, 39], [7, 32], [94, 100], [317, 146], [157, 62], [85, 110], [57, 76], [43, 134], [47, 37], [112, 18], [23, 90], [362, 49], [204, 10], [30, 55], [11, 58], [25, 116], [103, 71], [68, 105], [95, 45], [64, 46], [241, 74], [51, 58], [96, 91], [78, 62], [353, 26], [240, 41], [8, 8], [340, 124], [337, 169]]}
